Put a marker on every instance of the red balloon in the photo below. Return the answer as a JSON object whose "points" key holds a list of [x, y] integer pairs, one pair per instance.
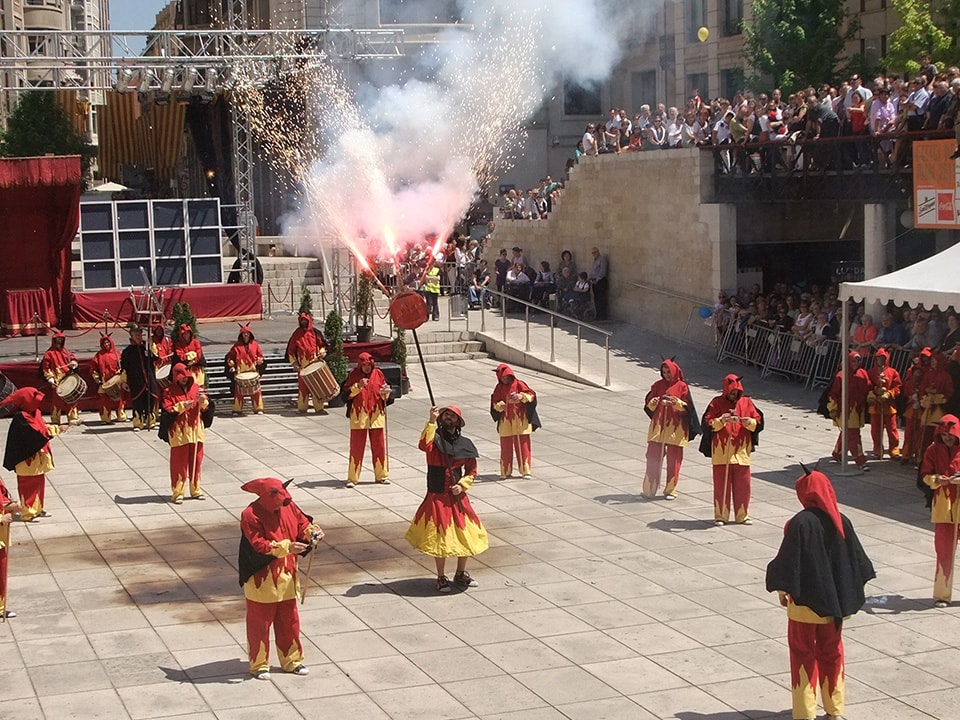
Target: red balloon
{"points": [[408, 310]]}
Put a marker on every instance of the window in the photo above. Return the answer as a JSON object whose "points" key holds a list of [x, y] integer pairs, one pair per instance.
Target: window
{"points": [[581, 99], [731, 81], [732, 16], [697, 16], [699, 83], [644, 88]]}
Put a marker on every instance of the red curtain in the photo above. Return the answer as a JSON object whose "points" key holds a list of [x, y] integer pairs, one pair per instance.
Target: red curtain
{"points": [[39, 217]]}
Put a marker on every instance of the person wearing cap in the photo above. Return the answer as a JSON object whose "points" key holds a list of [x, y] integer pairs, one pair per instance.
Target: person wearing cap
{"points": [[940, 475], [274, 532], [819, 573], [734, 421], [446, 525], [56, 364], [882, 403], [181, 425], [858, 387], [245, 356], [306, 346], [188, 351], [513, 406], [139, 378], [366, 394], [106, 366], [673, 423], [28, 450], [7, 510]]}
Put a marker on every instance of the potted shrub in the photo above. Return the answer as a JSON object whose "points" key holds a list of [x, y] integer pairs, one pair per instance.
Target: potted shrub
{"points": [[363, 307], [336, 360], [398, 354]]}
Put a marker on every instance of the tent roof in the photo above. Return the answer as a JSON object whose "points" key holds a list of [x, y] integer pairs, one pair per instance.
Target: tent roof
{"points": [[934, 281]]}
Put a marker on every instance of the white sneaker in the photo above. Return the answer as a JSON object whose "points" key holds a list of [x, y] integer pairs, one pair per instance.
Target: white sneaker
{"points": [[300, 670], [351, 484], [718, 523], [528, 476], [262, 675]]}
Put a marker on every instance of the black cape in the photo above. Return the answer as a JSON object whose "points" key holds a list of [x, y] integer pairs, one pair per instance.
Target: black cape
{"points": [[818, 568], [533, 417], [706, 439], [23, 442], [138, 366], [250, 562]]}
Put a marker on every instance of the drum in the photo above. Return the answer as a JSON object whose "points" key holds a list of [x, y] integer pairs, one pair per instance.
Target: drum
{"points": [[408, 310], [163, 375], [71, 388], [112, 389], [248, 383], [318, 378]]}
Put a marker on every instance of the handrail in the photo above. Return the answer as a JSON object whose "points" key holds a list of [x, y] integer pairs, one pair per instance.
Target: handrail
{"points": [[662, 291], [554, 316]]}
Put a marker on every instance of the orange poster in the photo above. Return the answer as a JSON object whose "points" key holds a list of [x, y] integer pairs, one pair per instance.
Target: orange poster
{"points": [[936, 184]]}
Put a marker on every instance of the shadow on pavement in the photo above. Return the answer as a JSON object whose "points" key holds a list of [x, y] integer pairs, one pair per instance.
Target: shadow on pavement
{"points": [[895, 604], [619, 499], [140, 500], [676, 525], [227, 672]]}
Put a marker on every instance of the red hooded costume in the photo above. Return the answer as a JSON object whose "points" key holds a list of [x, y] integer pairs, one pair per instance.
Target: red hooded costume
{"points": [[28, 450], [513, 405], [305, 346], [733, 419], [940, 471], [181, 425], [6, 506], [367, 394], [57, 362], [882, 402], [245, 358], [187, 350], [858, 388], [673, 423], [936, 388], [106, 369], [268, 572]]}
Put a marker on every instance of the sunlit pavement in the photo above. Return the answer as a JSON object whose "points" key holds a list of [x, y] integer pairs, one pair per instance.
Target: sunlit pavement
{"points": [[592, 603]]}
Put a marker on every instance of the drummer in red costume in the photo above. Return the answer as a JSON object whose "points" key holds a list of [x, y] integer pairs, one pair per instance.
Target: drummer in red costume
{"points": [[7, 510], [882, 401], [446, 524], [106, 367], [57, 362], [161, 347], [733, 418], [182, 423], [858, 387], [187, 350], [513, 405], [673, 423], [367, 393], [245, 357], [28, 450], [306, 346], [940, 472], [274, 532]]}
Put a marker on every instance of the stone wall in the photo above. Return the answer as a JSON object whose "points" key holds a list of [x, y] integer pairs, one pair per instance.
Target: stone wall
{"points": [[644, 211]]}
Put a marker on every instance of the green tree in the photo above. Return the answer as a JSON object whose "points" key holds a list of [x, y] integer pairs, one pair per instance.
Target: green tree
{"points": [[37, 125], [919, 34], [333, 333], [183, 315], [796, 43], [306, 301]]}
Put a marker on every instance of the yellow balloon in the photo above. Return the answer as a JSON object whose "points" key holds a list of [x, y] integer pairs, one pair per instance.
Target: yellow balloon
{"points": [[702, 34]]}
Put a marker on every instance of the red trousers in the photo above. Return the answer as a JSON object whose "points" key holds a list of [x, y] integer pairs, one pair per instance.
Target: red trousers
{"points": [[256, 401], [108, 406], [945, 543], [731, 482], [854, 446], [5, 540], [651, 478], [816, 659], [185, 463], [285, 619], [911, 438], [31, 489], [519, 444], [378, 449], [878, 423], [61, 408]]}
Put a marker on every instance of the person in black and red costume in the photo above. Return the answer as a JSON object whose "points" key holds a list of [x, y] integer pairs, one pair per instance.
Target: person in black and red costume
{"points": [[187, 350], [274, 533], [366, 394], [940, 477], [306, 346], [513, 405], [140, 380], [819, 572], [858, 388], [28, 450], [673, 423]]}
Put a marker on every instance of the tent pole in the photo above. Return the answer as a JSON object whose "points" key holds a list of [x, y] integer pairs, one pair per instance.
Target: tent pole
{"points": [[844, 381]]}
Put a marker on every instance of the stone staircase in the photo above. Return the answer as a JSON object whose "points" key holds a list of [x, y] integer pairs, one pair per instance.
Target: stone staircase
{"points": [[283, 278], [444, 345]]}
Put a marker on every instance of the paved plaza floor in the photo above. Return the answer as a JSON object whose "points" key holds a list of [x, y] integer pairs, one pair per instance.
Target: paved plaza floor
{"points": [[592, 603]]}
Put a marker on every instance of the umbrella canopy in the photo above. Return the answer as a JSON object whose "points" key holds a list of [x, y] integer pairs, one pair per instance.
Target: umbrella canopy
{"points": [[109, 187]]}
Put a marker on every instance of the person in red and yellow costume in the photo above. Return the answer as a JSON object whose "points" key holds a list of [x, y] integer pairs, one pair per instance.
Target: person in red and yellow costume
{"points": [[57, 362], [28, 450], [446, 525], [936, 389], [734, 419], [161, 350], [858, 387], [819, 572], [513, 406], [7, 510], [245, 357], [882, 401], [912, 410], [106, 368], [274, 532], [940, 472], [181, 425], [367, 393], [305, 346], [673, 423], [187, 350]]}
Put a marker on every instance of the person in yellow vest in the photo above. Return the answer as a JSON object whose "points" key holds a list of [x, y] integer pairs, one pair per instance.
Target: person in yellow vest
{"points": [[431, 291]]}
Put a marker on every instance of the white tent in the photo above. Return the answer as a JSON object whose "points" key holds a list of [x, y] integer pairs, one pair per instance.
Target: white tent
{"points": [[934, 281], [109, 187]]}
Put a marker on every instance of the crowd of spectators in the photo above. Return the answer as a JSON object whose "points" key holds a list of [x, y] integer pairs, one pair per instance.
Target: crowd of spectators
{"points": [[533, 204], [873, 115]]}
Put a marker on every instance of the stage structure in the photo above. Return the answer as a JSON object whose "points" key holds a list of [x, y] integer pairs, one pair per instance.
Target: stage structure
{"points": [[180, 63]]}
